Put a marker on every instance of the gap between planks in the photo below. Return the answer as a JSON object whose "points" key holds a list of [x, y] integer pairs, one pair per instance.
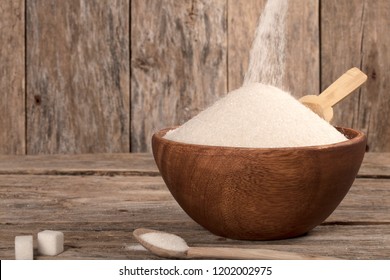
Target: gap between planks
{"points": [[109, 173]]}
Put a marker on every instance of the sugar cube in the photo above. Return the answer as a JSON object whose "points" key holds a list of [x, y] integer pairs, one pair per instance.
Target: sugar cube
{"points": [[24, 247], [50, 242]]}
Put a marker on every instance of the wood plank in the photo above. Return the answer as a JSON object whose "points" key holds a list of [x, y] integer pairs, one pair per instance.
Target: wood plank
{"points": [[374, 164], [12, 53], [80, 164], [77, 76], [84, 208], [341, 38], [98, 214], [367, 202], [104, 199], [178, 63], [27, 196], [241, 33], [94, 242], [302, 43], [303, 48], [352, 40]]}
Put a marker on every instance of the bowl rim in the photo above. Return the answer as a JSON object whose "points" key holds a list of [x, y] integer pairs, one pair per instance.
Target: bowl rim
{"points": [[358, 138]]}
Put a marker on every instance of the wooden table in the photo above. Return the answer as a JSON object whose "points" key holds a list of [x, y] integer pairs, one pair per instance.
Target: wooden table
{"points": [[98, 200]]}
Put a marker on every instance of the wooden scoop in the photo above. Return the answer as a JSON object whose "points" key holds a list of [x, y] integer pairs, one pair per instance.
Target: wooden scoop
{"points": [[322, 104], [164, 246]]}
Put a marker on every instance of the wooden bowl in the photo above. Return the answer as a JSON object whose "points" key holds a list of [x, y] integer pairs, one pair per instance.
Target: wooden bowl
{"points": [[259, 193]]}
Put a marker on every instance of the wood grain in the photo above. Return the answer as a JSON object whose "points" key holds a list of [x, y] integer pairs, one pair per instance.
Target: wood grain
{"points": [[367, 202], [80, 164], [375, 165], [185, 54], [243, 18], [302, 43], [77, 76], [12, 77], [357, 40], [98, 213], [286, 192], [178, 63], [94, 241]]}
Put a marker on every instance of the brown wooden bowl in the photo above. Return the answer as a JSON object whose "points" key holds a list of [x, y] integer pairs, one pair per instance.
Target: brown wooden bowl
{"points": [[259, 193]]}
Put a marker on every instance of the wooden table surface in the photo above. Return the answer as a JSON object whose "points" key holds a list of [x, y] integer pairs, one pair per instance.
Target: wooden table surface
{"points": [[98, 200]]}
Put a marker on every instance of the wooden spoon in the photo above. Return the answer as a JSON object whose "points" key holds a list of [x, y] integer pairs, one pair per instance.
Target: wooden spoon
{"points": [[322, 104], [169, 245]]}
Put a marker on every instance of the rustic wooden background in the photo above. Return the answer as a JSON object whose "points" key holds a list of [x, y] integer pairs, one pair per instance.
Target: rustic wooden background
{"points": [[83, 76]]}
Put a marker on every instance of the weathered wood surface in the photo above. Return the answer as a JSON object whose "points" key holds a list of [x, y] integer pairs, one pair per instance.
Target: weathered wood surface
{"points": [[98, 213], [352, 35], [77, 76], [80, 164], [302, 44], [184, 55], [243, 16], [12, 75], [374, 164], [178, 63]]}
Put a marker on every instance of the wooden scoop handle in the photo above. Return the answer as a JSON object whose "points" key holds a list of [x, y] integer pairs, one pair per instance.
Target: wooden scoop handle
{"points": [[342, 87], [248, 254], [322, 104]]}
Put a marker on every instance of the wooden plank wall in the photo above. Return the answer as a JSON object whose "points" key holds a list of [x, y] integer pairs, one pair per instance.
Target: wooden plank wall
{"points": [[83, 78], [12, 78], [359, 39], [178, 63], [77, 76]]}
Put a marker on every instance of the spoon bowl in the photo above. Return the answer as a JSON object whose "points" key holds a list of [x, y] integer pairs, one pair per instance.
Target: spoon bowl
{"points": [[169, 245], [158, 248]]}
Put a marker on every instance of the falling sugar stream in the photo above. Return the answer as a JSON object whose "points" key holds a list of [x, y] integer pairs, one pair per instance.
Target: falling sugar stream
{"points": [[267, 56]]}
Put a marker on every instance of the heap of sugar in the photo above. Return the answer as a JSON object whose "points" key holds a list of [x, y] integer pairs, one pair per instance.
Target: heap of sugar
{"points": [[257, 116], [24, 247], [50, 242], [165, 241]]}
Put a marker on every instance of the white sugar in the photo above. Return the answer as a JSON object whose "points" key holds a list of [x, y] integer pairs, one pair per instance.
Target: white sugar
{"points": [[257, 116], [267, 56], [165, 241], [50, 242], [24, 247]]}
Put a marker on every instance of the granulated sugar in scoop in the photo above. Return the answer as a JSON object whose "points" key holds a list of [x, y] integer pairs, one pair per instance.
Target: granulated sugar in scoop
{"points": [[257, 116]]}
